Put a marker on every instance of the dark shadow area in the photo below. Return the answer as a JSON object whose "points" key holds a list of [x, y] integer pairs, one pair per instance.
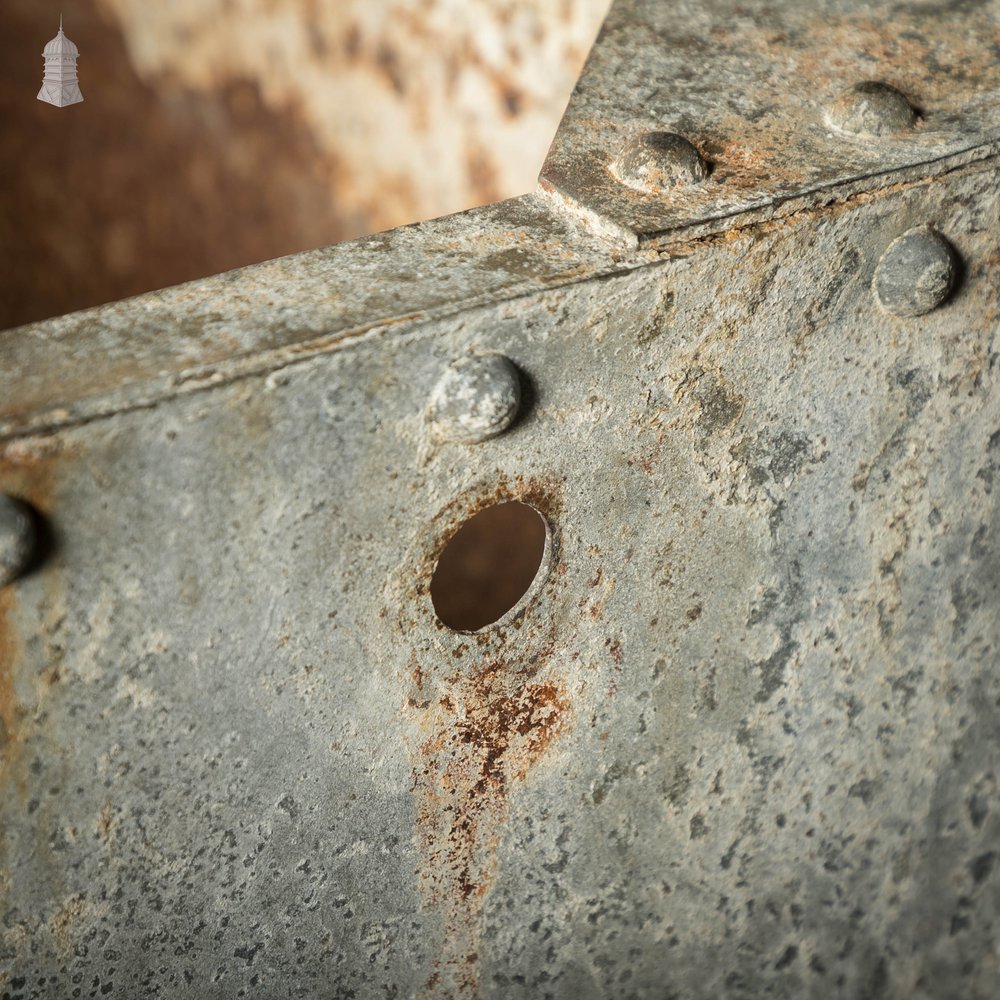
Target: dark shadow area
{"points": [[45, 544]]}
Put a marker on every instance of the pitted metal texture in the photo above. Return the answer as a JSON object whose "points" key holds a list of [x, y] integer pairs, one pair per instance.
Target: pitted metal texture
{"points": [[737, 740]]}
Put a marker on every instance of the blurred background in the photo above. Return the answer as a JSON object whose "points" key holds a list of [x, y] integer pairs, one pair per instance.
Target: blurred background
{"points": [[218, 133]]}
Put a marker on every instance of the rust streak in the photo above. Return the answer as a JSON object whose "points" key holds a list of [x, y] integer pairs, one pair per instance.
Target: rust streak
{"points": [[27, 471], [10, 709], [486, 709], [486, 734]]}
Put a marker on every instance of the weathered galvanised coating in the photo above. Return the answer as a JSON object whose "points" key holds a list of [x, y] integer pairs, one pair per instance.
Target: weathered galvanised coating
{"points": [[743, 738]]}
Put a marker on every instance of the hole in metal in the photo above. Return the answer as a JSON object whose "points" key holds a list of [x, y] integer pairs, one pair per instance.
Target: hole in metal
{"points": [[488, 566]]}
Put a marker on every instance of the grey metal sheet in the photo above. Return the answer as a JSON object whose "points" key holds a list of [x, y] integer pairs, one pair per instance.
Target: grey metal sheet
{"points": [[742, 740]]}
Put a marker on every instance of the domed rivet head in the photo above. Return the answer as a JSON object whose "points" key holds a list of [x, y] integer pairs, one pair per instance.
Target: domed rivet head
{"points": [[658, 162], [17, 539], [477, 398], [916, 273], [871, 108]]}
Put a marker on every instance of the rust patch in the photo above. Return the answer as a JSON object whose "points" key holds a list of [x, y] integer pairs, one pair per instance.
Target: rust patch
{"points": [[106, 824], [10, 709], [746, 166], [486, 707], [28, 472], [934, 60], [63, 921], [486, 733]]}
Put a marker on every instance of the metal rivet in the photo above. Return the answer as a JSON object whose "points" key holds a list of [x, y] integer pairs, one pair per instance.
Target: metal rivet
{"points": [[658, 162], [916, 273], [871, 108], [17, 539], [477, 398]]}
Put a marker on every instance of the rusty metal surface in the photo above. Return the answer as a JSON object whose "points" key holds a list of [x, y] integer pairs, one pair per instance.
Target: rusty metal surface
{"points": [[752, 86], [259, 318], [741, 740]]}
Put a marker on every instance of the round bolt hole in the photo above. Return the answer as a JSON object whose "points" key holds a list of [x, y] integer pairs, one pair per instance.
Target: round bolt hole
{"points": [[488, 566]]}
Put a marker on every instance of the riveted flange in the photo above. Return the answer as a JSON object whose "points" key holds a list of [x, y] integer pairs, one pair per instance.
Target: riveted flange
{"points": [[871, 108], [478, 397], [916, 273], [657, 162]]}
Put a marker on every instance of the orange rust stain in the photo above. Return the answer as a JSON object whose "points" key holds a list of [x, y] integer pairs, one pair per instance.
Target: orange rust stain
{"points": [[106, 823], [542, 494], [27, 471], [954, 59], [489, 710], [749, 166], [487, 732], [63, 922], [10, 709]]}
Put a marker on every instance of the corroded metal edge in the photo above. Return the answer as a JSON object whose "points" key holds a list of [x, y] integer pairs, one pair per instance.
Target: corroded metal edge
{"points": [[132, 353], [268, 316], [754, 87], [190, 337]]}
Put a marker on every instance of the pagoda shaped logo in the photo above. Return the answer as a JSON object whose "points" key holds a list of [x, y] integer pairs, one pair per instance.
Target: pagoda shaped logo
{"points": [[60, 86]]}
